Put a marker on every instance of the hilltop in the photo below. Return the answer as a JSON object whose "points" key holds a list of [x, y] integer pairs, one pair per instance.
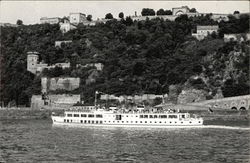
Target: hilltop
{"points": [[139, 57]]}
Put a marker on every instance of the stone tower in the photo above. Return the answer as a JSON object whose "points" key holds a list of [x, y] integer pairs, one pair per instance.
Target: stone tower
{"points": [[32, 60]]}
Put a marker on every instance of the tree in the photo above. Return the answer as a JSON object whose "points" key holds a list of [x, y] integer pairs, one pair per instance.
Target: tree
{"points": [[109, 16], [19, 22], [160, 12], [193, 10], [168, 12], [128, 21], [89, 17], [121, 15], [236, 12], [147, 12]]}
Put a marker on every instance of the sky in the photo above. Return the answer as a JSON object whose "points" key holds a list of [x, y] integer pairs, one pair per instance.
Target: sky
{"points": [[30, 12]]}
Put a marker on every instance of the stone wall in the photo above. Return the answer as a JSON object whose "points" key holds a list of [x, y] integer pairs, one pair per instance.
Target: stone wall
{"points": [[237, 102], [61, 101], [52, 84], [237, 37], [136, 98], [164, 17], [191, 95]]}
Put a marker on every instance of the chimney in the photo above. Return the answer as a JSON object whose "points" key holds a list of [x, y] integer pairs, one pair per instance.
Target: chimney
{"points": [[135, 13]]}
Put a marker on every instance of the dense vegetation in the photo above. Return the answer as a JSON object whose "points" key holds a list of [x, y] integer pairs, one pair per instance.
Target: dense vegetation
{"points": [[138, 57]]}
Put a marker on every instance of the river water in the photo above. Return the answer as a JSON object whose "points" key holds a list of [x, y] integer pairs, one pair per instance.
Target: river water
{"points": [[40, 141]]}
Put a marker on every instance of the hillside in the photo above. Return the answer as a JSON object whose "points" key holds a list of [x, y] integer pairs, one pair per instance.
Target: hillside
{"points": [[138, 57]]}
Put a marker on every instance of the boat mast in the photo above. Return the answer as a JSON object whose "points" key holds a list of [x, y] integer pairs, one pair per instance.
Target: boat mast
{"points": [[96, 92]]}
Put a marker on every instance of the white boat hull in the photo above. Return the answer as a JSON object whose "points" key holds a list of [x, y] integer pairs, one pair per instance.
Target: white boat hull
{"points": [[57, 120]]}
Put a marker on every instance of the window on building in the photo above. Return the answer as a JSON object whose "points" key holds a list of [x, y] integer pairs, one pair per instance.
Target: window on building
{"points": [[76, 115], [91, 115], [69, 115], [83, 115], [172, 116], [155, 116], [141, 116], [145, 116], [81, 121], [151, 116], [163, 116], [98, 116]]}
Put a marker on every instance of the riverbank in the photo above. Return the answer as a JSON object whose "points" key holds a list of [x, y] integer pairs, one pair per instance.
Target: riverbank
{"points": [[218, 117], [26, 113]]}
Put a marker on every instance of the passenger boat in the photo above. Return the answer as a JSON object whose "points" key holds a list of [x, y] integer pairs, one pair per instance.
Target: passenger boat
{"points": [[123, 118]]}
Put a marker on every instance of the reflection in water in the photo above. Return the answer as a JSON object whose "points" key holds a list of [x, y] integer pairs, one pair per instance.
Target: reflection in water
{"points": [[38, 140]]}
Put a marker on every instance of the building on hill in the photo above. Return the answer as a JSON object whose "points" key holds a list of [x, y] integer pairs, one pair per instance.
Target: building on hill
{"points": [[54, 20], [32, 63], [76, 18], [66, 25], [204, 31], [207, 29], [36, 67], [59, 43]]}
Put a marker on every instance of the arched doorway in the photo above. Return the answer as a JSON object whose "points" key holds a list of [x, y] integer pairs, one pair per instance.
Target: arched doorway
{"points": [[234, 108], [180, 12], [243, 108]]}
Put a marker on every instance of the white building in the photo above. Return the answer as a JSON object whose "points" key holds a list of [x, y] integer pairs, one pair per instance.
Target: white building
{"points": [[54, 20], [76, 18], [58, 43], [98, 66], [204, 31], [66, 27]]}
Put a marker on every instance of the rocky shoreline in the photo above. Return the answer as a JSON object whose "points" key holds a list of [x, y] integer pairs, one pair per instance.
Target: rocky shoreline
{"points": [[218, 117]]}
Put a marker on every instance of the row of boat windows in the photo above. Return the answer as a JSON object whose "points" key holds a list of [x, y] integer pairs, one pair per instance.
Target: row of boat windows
{"points": [[141, 122], [160, 116], [85, 121], [100, 122], [141, 116], [85, 115]]}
